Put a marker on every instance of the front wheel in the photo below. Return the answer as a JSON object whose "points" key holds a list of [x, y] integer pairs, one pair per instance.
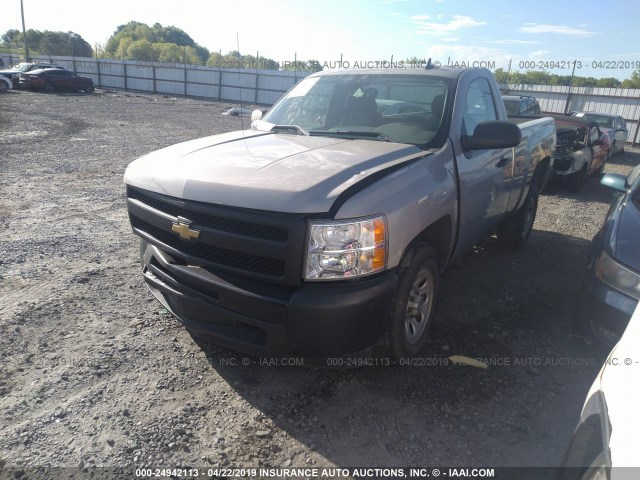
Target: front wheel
{"points": [[89, 88], [4, 86], [414, 305]]}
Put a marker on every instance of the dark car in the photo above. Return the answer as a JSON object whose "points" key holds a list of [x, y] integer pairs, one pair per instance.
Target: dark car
{"points": [[611, 288], [52, 79], [16, 71], [613, 125], [582, 149], [521, 105]]}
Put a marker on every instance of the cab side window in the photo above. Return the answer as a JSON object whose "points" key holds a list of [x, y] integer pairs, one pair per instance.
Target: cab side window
{"points": [[535, 108], [479, 105]]}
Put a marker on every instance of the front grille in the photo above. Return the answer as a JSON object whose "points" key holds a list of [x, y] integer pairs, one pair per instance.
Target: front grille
{"points": [[217, 255], [225, 224], [258, 245]]}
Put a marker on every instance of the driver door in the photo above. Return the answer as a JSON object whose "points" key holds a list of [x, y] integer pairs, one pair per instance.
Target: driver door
{"points": [[485, 175]]}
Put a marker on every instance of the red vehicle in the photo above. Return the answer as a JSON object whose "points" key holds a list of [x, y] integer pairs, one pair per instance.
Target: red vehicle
{"points": [[51, 79], [582, 149]]}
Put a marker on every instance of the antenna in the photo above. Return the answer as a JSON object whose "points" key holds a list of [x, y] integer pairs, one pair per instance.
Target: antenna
{"points": [[239, 84]]}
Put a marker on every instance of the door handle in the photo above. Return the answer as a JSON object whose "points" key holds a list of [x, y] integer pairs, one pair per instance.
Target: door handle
{"points": [[503, 161]]}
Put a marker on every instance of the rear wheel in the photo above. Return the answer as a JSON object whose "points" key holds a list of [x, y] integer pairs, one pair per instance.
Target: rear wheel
{"points": [[415, 302], [515, 230], [49, 87], [3, 86]]}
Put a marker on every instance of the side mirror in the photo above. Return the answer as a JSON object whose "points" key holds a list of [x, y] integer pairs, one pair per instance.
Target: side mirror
{"points": [[492, 135], [615, 181], [256, 115]]}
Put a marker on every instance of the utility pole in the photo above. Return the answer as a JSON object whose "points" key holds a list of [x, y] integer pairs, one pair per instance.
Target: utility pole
{"points": [[24, 34]]}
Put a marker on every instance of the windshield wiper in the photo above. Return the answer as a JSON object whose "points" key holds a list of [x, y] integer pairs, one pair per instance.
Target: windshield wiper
{"points": [[352, 133], [288, 128]]}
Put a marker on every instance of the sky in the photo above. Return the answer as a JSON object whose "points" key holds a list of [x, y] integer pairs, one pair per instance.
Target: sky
{"points": [[551, 33]]}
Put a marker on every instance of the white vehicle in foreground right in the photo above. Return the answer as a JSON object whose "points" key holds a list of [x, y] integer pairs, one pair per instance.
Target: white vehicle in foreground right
{"points": [[605, 443]]}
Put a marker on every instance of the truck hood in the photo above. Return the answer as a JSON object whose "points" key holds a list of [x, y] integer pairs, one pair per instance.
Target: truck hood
{"points": [[278, 172]]}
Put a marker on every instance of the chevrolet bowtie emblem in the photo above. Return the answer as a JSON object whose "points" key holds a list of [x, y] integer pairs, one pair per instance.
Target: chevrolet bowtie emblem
{"points": [[184, 231]]}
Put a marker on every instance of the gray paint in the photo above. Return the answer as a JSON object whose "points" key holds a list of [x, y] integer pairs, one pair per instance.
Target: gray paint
{"points": [[305, 174]]}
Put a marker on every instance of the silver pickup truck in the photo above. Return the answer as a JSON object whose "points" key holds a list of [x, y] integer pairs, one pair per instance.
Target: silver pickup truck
{"points": [[324, 228]]}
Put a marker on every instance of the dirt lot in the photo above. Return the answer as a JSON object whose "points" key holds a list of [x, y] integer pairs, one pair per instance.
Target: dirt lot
{"points": [[94, 372]]}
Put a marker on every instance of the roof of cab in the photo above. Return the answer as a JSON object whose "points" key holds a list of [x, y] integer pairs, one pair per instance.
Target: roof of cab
{"points": [[445, 72]]}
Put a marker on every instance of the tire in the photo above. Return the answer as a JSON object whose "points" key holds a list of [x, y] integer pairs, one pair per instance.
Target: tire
{"points": [[90, 88], [515, 230], [3, 86], [612, 150], [49, 87], [574, 181], [598, 468], [414, 305]]}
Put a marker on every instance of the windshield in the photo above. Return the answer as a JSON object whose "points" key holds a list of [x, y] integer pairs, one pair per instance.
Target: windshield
{"points": [[400, 108], [601, 120]]}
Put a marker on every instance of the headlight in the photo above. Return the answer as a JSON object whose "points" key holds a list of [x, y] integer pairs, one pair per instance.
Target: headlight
{"points": [[618, 276], [346, 249]]}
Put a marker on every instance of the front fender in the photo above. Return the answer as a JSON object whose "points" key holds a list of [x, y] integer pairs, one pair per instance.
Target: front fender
{"points": [[412, 198]]}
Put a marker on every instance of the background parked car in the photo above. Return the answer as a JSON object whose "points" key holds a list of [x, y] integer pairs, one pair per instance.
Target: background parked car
{"points": [[239, 112], [613, 125], [51, 79], [5, 84], [582, 149], [521, 105], [611, 288], [606, 436], [16, 71]]}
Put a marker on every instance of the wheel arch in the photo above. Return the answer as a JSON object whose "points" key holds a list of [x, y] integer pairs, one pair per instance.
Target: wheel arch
{"points": [[586, 444], [439, 236], [542, 173]]}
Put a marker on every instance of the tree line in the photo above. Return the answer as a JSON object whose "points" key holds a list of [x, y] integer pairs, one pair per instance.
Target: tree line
{"points": [[157, 43], [546, 78], [139, 41], [48, 43]]}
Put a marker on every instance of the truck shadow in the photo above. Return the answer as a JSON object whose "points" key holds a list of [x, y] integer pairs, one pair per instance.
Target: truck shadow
{"points": [[511, 310], [591, 190]]}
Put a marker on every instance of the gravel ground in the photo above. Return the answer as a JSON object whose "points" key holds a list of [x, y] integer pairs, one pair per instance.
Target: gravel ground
{"points": [[93, 372]]}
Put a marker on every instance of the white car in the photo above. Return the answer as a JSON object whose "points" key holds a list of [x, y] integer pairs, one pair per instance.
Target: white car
{"points": [[5, 84], [605, 442]]}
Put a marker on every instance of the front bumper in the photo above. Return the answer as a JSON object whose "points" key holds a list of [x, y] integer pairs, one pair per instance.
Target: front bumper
{"points": [[313, 319]]}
